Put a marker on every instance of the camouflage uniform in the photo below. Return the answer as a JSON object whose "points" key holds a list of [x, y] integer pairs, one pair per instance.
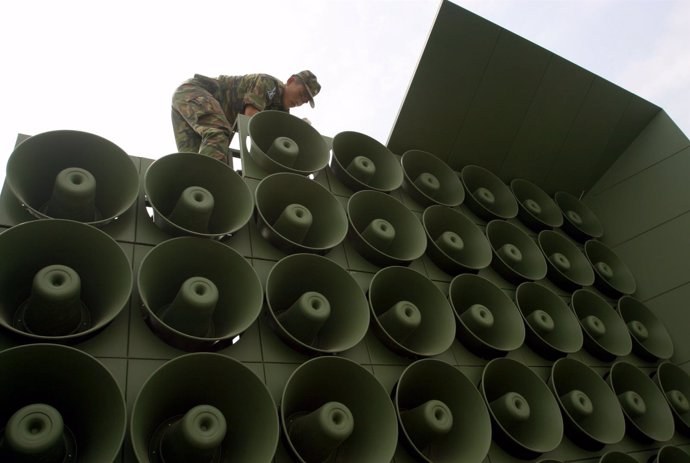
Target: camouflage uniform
{"points": [[204, 110]]}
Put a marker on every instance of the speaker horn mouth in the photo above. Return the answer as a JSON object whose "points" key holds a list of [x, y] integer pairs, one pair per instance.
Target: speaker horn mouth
{"points": [[487, 195], [429, 180], [567, 265], [674, 382], [536, 209], [612, 276], [516, 256], [579, 221], [651, 339]]}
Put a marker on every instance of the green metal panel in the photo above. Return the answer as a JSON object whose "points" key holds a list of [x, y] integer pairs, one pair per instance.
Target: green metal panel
{"points": [[548, 121], [671, 308], [504, 96], [447, 77]]}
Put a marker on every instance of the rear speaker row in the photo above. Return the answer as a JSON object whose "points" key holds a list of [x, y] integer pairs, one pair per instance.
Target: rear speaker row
{"points": [[60, 404]]}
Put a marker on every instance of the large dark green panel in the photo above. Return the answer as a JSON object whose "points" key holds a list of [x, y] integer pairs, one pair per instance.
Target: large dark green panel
{"points": [[501, 103], [639, 203], [671, 307], [548, 121], [659, 258], [589, 136], [447, 77], [660, 139]]}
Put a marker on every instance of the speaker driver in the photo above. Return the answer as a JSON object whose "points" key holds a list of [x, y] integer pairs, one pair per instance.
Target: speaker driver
{"points": [[429, 180], [82, 177]]}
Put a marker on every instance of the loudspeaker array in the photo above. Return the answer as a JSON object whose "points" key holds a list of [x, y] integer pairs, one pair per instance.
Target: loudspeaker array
{"points": [[334, 302]]}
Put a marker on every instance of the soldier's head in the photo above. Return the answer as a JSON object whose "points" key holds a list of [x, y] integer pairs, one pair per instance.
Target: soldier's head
{"points": [[301, 88]]}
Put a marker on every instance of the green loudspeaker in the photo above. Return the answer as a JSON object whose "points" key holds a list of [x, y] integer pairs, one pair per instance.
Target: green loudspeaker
{"points": [[579, 220], [198, 294], [383, 230], [605, 333], [204, 407], [333, 409], [647, 413], [411, 314], [58, 404], [592, 414], [516, 256], [281, 142], [536, 209], [454, 242], [674, 383], [73, 175], [61, 280], [362, 163], [441, 414], [197, 195], [612, 276], [429, 180], [651, 339], [670, 454], [487, 195], [616, 457], [552, 328], [526, 418], [315, 305], [567, 265], [296, 214], [488, 322]]}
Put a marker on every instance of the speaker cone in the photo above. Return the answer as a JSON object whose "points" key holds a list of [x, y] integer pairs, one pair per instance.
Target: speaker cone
{"points": [[516, 256], [411, 314], [536, 209], [197, 195], [333, 409], [362, 163], [670, 454], [441, 414], [315, 305], [578, 220], [296, 214], [651, 339], [82, 177], [567, 265], [488, 322], [281, 142], [454, 242], [487, 195], [612, 276], [674, 383], [429, 180]]}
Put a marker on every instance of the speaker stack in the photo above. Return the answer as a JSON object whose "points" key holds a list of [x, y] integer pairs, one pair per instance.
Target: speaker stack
{"points": [[429, 180], [487, 195], [362, 163]]}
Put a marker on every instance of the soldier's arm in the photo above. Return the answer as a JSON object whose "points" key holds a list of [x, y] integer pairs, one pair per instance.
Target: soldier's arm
{"points": [[255, 99]]}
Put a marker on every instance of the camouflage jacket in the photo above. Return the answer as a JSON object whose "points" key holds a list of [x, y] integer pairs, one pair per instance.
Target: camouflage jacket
{"points": [[259, 90]]}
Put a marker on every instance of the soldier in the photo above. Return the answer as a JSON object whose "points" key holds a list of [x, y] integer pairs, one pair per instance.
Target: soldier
{"points": [[204, 109]]}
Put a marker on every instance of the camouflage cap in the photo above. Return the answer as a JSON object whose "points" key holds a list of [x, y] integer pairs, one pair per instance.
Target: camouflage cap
{"points": [[310, 83]]}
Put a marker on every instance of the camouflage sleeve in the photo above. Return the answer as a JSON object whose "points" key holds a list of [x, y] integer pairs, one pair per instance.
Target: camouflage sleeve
{"points": [[259, 92]]}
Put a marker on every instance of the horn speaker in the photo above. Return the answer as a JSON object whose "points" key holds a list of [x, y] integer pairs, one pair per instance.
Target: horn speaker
{"points": [[651, 340], [488, 322], [296, 214], [429, 180], [203, 407], [516, 256], [281, 142], [578, 220], [362, 163], [593, 417], [605, 333], [536, 209], [552, 329], [442, 416], [670, 454], [487, 195], [82, 177], [674, 383], [383, 230], [315, 305], [526, 418], [410, 313], [454, 242], [332, 409], [58, 404], [197, 195], [647, 413], [198, 294], [612, 276], [567, 265], [61, 280], [616, 457]]}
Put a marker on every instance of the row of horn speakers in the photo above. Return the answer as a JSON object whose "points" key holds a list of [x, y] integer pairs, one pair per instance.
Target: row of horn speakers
{"points": [[466, 222]]}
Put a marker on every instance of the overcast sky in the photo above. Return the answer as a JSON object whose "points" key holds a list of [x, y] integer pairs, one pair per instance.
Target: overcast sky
{"points": [[110, 68]]}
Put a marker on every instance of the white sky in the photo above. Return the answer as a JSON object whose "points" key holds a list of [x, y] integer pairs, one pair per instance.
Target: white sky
{"points": [[110, 68]]}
